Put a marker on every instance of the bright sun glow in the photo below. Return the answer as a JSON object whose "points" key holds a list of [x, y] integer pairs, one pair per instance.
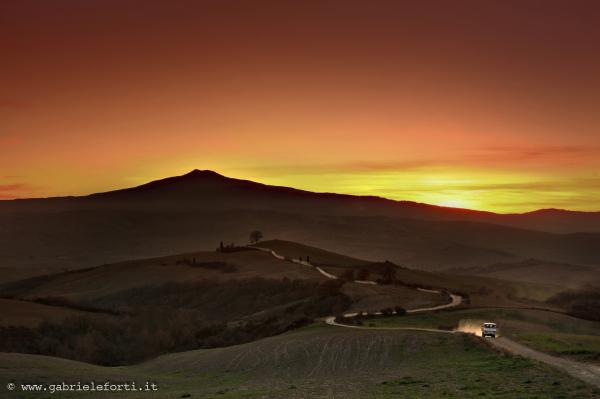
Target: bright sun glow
{"points": [[453, 203]]}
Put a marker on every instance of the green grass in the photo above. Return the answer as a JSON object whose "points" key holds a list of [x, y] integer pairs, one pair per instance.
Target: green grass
{"points": [[319, 362], [510, 321], [478, 373], [577, 347], [550, 332]]}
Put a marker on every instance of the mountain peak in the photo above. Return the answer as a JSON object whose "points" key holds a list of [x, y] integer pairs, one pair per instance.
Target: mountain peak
{"points": [[202, 173]]}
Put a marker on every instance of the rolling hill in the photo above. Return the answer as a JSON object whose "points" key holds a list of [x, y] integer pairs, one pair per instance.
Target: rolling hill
{"points": [[317, 361], [92, 283], [251, 312], [96, 282], [539, 271]]}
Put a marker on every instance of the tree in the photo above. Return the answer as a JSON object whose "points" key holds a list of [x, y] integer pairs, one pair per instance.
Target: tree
{"points": [[388, 273], [256, 236]]}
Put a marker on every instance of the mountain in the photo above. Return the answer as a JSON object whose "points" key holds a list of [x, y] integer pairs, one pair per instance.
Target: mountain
{"points": [[197, 210], [199, 189]]}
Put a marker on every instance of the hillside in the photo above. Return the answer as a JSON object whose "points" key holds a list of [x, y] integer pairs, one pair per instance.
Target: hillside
{"points": [[127, 312], [93, 285], [538, 271], [317, 361], [200, 209], [246, 323], [31, 314], [130, 311], [96, 282], [482, 290], [213, 299]]}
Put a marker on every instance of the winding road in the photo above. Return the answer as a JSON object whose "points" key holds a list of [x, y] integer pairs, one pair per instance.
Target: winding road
{"points": [[586, 372]]}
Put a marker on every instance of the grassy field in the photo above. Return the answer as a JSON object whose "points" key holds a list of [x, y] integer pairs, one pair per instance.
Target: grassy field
{"points": [[575, 346], [108, 279], [317, 362], [550, 332], [476, 373], [539, 271]]}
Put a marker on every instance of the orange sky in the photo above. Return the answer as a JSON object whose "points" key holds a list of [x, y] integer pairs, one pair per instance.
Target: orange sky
{"points": [[486, 105]]}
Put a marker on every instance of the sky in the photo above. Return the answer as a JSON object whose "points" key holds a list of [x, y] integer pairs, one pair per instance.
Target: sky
{"points": [[491, 105]]}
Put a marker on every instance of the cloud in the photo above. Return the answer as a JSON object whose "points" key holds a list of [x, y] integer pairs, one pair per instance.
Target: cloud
{"points": [[571, 184], [537, 153], [384, 166], [358, 166], [14, 190], [513, 157]]}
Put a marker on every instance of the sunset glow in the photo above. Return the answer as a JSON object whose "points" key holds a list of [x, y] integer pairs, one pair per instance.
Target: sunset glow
{"points": [[393, 100]]}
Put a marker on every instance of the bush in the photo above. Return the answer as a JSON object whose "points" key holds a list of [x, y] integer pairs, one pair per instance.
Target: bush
{"points": [[400, 311], [348, 275], [387, 311], [234, 248]]}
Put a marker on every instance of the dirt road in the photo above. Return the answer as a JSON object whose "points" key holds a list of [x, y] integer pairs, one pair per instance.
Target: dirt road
{"points": [[298, 261], [585, 372]]}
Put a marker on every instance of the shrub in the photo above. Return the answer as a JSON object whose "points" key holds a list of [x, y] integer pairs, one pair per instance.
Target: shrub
{"points": [[387, 311], [400, 311], [348, 275]]}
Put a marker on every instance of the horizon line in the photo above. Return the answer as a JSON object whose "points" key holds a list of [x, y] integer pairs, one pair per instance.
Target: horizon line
{"points": [[214, 172]]}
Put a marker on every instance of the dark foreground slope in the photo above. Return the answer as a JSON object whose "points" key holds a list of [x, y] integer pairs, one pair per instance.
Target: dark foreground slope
{"points": [[320, 362]]}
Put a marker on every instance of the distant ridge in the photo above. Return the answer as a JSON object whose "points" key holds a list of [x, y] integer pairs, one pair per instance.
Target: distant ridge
{"points": [[207, 189]]}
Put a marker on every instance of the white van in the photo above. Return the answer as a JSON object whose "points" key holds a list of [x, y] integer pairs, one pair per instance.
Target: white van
{"points": [[488, 330]]}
